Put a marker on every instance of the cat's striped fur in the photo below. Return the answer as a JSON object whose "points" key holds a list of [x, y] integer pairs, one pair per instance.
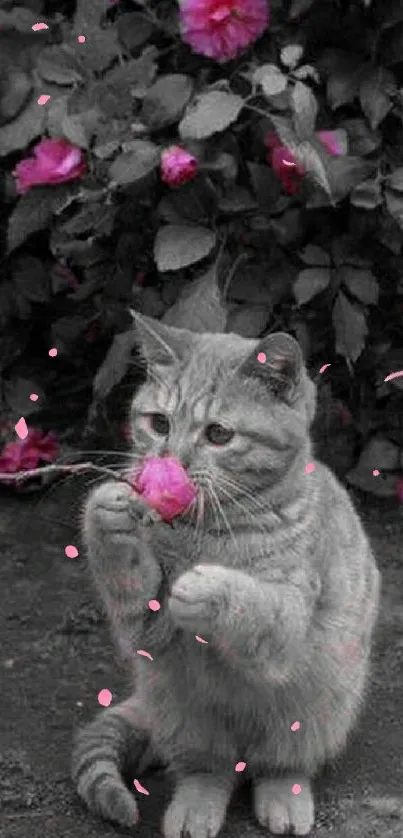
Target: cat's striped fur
{"points": [[275, 573]]}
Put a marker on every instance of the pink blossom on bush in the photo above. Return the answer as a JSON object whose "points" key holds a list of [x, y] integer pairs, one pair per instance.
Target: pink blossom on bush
{"points": [[177, 166], [331, 142], [287, 168], [54, 161], [26, 454], [222, 29], [166, 487]]}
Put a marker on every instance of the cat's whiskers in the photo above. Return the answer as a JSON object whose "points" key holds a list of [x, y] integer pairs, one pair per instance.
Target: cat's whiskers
{"points": [[223, 515], [251, 503], [214, 507], [244, 492], [203, 479], [244, 509]]}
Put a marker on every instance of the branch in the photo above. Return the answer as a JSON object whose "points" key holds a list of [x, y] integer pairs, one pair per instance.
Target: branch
{"points": [[19, 476]]}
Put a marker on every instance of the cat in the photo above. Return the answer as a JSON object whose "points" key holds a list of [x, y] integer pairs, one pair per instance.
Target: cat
{"points": [[269, 592]]}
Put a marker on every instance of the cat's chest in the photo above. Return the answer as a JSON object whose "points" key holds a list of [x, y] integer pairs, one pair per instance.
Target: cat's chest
{"points": [[179, 548]]}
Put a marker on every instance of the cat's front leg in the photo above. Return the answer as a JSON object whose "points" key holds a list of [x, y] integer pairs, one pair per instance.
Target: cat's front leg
{"points": [[259, 625], [198, 597], [126, 574]]}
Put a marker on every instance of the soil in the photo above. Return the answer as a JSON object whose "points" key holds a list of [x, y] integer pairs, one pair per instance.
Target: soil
{"points": [[56, 656]]}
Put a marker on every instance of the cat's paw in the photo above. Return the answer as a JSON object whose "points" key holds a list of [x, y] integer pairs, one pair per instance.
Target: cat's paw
{"points": [[113, 507], [197, 596], [285, 806], [198, 808]]}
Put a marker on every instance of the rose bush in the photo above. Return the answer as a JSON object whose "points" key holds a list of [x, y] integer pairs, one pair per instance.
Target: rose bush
{"points": [[262, 138]]}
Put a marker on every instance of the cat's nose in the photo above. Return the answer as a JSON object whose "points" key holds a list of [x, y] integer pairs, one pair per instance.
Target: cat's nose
{"points": [[180, 453]]}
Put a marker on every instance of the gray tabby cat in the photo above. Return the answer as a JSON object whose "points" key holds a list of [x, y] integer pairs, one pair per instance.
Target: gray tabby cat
{"points": [[274, 572]]}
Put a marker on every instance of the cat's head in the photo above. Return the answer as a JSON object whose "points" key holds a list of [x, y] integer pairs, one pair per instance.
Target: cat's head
{"points": [[231, 409]]}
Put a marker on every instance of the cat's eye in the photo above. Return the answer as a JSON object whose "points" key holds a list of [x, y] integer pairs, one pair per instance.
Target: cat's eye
{"points": [[218, 435], [158, 423]]}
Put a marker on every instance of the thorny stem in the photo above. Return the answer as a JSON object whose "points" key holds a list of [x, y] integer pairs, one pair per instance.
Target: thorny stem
{"points": [[53, 469]]}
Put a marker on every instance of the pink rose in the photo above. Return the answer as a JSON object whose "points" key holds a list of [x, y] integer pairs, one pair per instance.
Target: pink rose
{"points": [[287, 168], [222, 29], [166, 487], [54, 161], [177, 166], [26, 454]]}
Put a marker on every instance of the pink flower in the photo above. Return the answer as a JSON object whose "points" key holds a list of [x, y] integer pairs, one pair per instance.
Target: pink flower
{"points": [[177, 166], [54, 161], [26, 454], [331, 143], [287, 168], [165, 486], [222, 29]]}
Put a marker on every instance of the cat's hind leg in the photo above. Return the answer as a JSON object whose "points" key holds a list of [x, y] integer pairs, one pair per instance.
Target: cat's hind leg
{"points": [[284, 805], [198, 807], [103, 749]]}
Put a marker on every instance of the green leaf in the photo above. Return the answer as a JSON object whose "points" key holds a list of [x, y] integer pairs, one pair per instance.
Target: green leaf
{"points": [[211, 113], [305, 110], [315, 162], [394, 206], [35, 209], [132, 166], [291, 55], [309, 283], [300, 7], [379, 453], [307, 72], [315, 256], [19, 133], [362, 140], [271, 80], [96, 219], [247, 320], [361, 283], [134, 29], [79, 128], [391, 46], [166, 100], [17, 393], [116, 363], [136, 75], [19, 18], [266, 185], [388, 14], [342, 87], [177, 246], [199, 306], [350, 327], [14, 94], [367, 195], [288, 227], [59, 65], [345, 173], [376, 88], [101, 45], [31, 278], [395, 180]]}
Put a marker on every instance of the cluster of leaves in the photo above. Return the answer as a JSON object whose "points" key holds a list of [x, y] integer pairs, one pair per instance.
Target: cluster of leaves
{"points": [[325, 264]]}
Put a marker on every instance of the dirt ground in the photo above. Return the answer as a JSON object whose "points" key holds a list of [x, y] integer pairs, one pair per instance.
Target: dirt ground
{"points": [[56, 656]]}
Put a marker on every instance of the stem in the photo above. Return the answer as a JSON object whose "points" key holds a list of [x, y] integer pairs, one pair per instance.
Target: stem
{"points": [[53, 469]]}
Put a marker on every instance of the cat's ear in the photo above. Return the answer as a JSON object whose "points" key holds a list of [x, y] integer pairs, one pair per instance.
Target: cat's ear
{"points": [[277, 361], [159, 344]]}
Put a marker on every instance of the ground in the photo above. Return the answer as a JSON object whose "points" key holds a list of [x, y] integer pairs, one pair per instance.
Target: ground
{"points": [[56, 657]]}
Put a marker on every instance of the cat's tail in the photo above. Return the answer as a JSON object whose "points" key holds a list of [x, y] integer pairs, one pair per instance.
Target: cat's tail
{"points": [[103, 750]]}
